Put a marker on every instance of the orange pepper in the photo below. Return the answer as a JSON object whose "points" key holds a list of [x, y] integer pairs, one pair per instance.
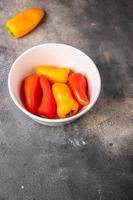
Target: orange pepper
{"points": [[66, 104], [24, 22], [54, 74]]}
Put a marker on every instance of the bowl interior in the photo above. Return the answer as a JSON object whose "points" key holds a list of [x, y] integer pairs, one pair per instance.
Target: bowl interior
{"points": [[57, 55]]}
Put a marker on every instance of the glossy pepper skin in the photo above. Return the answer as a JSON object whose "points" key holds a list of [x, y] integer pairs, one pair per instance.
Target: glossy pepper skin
{"points": [[24, 22], [53, 74], [32, 93], [47, 107], [66, 104], [78, 85]]}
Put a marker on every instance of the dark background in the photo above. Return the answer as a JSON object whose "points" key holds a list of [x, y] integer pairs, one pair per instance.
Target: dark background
{"points": [[92, 158]]}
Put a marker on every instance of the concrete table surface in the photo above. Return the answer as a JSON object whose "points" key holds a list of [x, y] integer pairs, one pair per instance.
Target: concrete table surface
{"points": [[91, 159]]}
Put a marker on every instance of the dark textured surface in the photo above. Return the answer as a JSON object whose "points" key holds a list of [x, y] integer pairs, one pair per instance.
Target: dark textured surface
{"points": [[91, 159]]}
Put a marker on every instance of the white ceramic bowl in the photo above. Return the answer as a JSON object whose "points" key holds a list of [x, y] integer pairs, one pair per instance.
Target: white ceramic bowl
{"points": [[60, 55]]}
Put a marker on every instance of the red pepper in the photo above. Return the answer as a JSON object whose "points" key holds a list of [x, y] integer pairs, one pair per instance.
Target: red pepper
{"points": [[32, 93], [78, 85], [47, 107]]}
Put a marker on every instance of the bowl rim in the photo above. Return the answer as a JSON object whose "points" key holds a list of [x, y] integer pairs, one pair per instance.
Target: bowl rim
{"points": [[88, 107]]}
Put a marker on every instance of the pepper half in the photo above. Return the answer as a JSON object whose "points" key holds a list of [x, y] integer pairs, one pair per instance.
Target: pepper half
{"points": [[66, 104], [47, 107]]}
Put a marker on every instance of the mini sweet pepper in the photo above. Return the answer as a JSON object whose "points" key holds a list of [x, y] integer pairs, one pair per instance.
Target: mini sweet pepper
{"points": [[32, 93], [66, 104], [47, 107], [78, 85], [53, 74], [24, 22]]}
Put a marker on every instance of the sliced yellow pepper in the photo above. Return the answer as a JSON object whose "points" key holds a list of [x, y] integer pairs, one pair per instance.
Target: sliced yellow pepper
{"points": [[66, 105], [53, 74], [24, 22]]}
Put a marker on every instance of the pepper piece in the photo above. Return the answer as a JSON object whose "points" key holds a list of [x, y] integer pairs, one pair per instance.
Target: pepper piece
{"points": [[66, 104], [24, 22], [47, 107], [32, 93], [53, 74], [78, 85]]}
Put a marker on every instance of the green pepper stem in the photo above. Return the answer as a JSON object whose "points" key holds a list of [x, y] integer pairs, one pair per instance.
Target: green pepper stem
{"points": [[43, 116], [70, 113], [9, 30]]}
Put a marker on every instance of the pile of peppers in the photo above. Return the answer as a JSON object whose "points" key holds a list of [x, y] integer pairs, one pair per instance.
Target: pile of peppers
{"points": [[54, 92]]}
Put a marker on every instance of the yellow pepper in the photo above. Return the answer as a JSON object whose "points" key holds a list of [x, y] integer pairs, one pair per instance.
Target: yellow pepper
{"points": [[53, 74], [24, 22], [66, 105]]}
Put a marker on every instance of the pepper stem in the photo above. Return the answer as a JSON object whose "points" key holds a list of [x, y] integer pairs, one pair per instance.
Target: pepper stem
{"points": [[43, 116], [70, 113], [10, 31]]}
